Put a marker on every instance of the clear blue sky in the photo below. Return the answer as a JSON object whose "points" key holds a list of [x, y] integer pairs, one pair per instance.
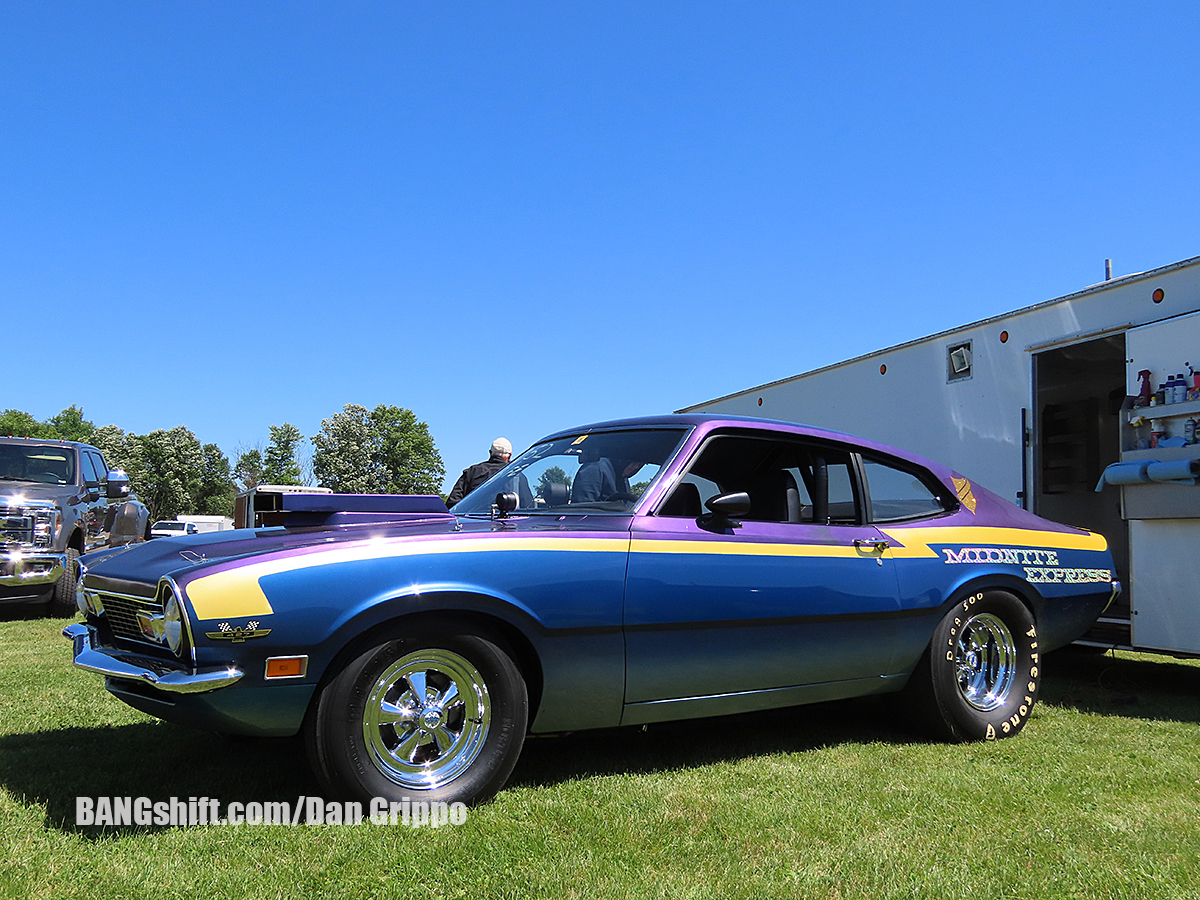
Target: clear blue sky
{"points": [[512, 218]]}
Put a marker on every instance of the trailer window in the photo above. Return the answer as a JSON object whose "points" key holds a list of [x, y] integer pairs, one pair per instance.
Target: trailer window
{"points": [[898, 494]]}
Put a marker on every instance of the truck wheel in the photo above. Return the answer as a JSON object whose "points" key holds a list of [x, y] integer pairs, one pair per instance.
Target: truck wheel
{"points": [[62, 598], [981, 675], [430, 716]]}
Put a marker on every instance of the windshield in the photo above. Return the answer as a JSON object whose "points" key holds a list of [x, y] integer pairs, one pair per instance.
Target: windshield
{"points": [[603, 472], [170, 526], [42, 465]]}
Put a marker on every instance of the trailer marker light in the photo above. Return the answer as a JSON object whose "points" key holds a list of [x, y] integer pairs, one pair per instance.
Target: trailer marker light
{"points": [[1158, 295], [1004, 337], [883, 369]]}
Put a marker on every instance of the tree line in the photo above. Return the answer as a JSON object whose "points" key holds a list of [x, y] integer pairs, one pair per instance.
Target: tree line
{"points": [[385, 450]]}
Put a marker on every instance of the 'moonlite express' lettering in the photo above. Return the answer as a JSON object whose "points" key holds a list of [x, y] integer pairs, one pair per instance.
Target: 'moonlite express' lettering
{"points": [[1011, 556]]}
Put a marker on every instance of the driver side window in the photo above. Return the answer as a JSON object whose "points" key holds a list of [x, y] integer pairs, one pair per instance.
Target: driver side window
{"points": [[88, 467], [787, 481]]}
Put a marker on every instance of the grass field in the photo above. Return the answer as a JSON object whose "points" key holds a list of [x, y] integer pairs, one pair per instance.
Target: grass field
{"points": [[1099, 797]]}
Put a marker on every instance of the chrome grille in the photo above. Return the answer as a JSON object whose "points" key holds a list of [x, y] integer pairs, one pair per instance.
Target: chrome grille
{"points": [[31, 527], [121, 611]]}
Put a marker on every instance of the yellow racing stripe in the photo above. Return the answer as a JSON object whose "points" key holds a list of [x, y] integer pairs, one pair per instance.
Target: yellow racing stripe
{"points": [[237, 592]]}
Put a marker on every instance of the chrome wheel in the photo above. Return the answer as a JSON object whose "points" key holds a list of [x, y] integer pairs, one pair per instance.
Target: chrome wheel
{"points": [[985, 661], [426, 718]]}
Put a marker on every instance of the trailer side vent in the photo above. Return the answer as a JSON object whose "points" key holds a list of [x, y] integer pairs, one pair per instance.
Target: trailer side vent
{"points": [[958, 366]]}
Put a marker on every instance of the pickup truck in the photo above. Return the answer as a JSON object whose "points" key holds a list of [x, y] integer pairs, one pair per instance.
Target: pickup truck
{"points": [[58, 500]]}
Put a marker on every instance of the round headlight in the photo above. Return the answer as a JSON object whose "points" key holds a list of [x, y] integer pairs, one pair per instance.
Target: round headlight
{"points": [[87, 601], [172, 622]]}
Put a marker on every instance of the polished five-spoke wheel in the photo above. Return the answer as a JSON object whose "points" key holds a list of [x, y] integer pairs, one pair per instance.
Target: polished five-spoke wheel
{"points": [[431, 714], [427, 718]]}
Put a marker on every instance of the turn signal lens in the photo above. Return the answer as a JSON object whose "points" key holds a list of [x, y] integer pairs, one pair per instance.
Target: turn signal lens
{"points": [[287, 666]]}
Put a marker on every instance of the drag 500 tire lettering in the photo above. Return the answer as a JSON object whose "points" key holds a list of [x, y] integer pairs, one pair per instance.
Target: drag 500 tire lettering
{"points": [[428, 716], [980, 678]]}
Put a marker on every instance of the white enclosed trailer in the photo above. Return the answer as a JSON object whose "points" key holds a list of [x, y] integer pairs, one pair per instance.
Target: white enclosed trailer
{"points": [[1035, 404]]}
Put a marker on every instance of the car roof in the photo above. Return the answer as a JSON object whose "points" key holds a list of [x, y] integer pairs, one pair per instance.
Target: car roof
{"points": [[715, 422]]}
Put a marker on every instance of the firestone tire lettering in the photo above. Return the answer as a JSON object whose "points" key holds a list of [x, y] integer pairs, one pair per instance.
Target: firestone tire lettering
{"points": [[982, 682]]}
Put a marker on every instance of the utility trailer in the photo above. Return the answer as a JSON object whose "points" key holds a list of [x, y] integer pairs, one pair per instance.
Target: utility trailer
{"points": [[1036, 404]]}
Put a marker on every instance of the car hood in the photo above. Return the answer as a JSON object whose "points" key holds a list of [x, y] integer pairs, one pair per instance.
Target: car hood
{"points": [[145, 563]]}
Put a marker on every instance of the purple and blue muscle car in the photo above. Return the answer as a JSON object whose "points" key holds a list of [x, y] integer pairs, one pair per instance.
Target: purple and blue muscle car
{"points": [[622, 573]]}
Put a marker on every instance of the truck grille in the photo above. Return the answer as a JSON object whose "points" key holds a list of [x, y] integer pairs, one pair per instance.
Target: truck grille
{"points": [[27, 527]]}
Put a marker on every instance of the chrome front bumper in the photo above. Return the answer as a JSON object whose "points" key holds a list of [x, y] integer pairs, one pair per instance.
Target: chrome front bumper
{"points": [[116, 664], [21, 569]]}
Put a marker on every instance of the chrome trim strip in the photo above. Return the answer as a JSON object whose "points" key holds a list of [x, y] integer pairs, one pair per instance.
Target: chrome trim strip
{"points": [[102, 662]]}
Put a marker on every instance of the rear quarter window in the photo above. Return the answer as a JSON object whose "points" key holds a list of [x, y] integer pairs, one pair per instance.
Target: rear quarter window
{"points": [[899, 493]]}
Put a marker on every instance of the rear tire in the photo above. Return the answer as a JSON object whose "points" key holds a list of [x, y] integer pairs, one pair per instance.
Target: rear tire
{"points": [[980, 678], [432, 715], [62, 597]]}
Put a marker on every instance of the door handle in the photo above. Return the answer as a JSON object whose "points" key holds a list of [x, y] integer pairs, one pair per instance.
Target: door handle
{"points": [[878, 545]]}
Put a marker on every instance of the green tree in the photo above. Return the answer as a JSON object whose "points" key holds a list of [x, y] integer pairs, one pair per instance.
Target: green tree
{"points": [[248, 469], [280, 465], [379, 451], [70, 425], [121, 451], [171, 474], [16, 423], [553, 475], [408, 459], [342, 457], [215, 489]]}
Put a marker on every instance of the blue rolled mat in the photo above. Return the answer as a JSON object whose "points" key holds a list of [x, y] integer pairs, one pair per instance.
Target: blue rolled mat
{"points": [[1125, 473], [1183, 470]]}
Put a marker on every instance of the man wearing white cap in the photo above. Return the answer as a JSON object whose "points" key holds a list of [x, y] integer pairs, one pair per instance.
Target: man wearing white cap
{"points": [[473, 476]]}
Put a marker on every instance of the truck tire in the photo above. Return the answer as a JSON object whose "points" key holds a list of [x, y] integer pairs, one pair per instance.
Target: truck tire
{"points": [[62, 597]]}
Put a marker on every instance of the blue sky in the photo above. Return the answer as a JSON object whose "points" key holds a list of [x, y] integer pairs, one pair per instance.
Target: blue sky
{"points": [[513, 218]]}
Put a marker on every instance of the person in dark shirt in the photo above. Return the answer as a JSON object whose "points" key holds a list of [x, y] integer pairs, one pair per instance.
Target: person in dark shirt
{"points": [[473, 476], [604, 479]]}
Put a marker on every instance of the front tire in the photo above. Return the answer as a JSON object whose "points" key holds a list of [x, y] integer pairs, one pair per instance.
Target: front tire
{"points": [[431, 716], [981, 676]]}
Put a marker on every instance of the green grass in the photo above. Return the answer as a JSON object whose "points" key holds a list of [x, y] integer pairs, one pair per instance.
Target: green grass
{"points": [[1099, 797]]}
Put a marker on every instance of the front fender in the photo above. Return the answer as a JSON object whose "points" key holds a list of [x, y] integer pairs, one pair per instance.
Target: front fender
{"points": [[567, 618]]}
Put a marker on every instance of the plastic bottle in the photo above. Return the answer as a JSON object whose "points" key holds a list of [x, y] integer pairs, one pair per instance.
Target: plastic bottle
{"points": [[1180, 388]]}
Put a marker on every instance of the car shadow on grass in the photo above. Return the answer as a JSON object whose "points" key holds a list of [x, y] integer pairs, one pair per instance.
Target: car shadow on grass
{"points": [[161, 761], [154, 760], [1122, 684], [666, 746]]}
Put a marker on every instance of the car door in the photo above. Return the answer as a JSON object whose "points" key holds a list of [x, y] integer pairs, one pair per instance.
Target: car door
{"points": [[797, 592]]}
